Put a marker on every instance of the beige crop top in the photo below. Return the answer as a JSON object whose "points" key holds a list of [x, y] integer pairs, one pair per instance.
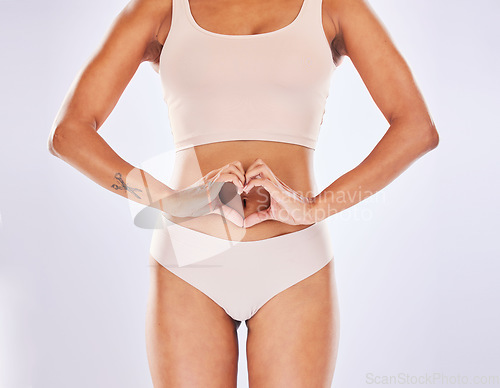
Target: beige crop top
{"points": [[271, 86]]}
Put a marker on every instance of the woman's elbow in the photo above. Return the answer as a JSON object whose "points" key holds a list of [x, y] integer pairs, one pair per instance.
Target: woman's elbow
{"points": [[54, 141], [58, 142], [424, 135], [432, 138]]}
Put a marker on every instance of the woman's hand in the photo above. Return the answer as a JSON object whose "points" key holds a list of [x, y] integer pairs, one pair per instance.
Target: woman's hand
{"points": [[227, 204], [286, 205], [215, 193]]}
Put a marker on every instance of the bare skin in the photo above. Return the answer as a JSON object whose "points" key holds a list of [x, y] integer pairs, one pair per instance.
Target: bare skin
{"points": [[293, 339], [191, 341]]}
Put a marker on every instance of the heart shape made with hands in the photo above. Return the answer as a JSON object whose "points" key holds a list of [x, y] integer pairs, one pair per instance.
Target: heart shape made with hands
{"points": [[223, 199], [266, 198], [244, 204]]}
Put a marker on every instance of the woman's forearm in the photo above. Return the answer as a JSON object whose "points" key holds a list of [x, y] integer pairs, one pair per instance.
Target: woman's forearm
{"points": [[82, 147], [404, 142]]}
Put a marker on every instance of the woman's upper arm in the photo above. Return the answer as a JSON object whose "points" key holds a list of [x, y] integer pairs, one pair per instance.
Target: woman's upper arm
{"points": [[382, 68], [99, 85]]}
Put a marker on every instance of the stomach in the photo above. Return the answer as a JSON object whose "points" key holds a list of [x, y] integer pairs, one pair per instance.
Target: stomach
{"points": [[292, 163]]}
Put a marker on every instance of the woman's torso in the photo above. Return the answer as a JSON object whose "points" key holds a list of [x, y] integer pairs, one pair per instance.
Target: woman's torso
{"points": [[292, 163]]}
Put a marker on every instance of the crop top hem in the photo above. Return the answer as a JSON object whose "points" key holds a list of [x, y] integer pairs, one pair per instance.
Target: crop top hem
{"points": [[248, 135]]}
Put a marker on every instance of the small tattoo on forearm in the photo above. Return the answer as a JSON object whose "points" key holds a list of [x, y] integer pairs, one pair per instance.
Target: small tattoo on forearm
{"points": [[123, 185]]}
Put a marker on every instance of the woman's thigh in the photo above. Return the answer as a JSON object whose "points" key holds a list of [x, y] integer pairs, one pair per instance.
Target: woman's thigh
{"points": [[293, 339], [190, 340]]}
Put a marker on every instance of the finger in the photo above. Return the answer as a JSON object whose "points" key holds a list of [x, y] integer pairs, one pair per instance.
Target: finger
{"points": [[232, 215], [226, 195], [229, 177], [260, 171], [228, 213], [235, 202], [210, 175], [266, 184], [231, 168], [235, 216], [256, 218], [256, 163], [239, 166], [226, 175]]}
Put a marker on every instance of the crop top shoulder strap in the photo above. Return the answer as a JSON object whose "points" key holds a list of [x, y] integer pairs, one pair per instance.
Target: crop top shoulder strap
{"points": [[271, 86]]}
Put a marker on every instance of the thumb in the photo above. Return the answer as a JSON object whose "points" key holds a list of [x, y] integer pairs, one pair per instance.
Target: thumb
{"points": [[232, 215], [256, 218]]}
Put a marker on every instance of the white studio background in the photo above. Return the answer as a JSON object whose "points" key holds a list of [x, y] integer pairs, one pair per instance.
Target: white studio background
{"points": [[416, 264]]}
